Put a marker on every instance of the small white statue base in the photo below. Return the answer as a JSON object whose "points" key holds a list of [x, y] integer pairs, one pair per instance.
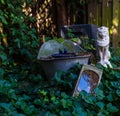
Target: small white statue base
{"points": [[103, 46]]}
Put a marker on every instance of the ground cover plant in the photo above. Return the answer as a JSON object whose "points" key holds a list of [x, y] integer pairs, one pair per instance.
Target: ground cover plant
{"points": [[25, 90]]}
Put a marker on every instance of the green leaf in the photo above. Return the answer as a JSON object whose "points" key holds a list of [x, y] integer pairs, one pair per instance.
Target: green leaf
{"points": [[46, 99], [118, 92], [2, 1], [112, 108], [64, 95], [87, 97], [100, 114], [3, 56], [4, 84], [99, 94], [64, 103], [4, 21], [48, 114], [65, 113], [53, 98], [43, 92], [7, 106], [37, 101], [100, 105], [110, 97], [115, 84], [34, 44], [17, 41], [12, 94], [1, 72], [78, 111], [117, 74]]}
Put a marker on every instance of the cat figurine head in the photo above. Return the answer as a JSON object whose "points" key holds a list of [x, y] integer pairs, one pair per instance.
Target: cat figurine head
{"points": [[102, 32]]}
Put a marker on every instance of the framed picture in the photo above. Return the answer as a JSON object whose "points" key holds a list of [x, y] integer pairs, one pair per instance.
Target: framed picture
{"points": [[89, 78]]}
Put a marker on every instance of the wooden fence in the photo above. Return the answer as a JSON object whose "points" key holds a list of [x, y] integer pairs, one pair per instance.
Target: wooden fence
{"points": [[44, 13], [98, 12], [107, 13]]}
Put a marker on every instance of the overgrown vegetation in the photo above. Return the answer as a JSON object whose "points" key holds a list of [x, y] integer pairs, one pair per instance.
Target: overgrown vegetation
{"points": [[25, 91]]}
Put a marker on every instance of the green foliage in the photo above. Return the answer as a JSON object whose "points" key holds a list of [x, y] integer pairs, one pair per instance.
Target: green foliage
{"points": [[75, 10], [86, 42], [115, 56], [24, 89]]}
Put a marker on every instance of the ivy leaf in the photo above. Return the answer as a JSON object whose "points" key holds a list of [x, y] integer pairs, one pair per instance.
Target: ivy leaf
{"points": [[34, 44], [78, 111], [99, 93], [65, 113], [4, 21], [115, 84], [1, 72], [100, 105], [87, 97], [64, 95], [17, 41], [64, 103], [37, 102], [110, 97], [2, 1], [43, 92], [12, 94], [3, 56], [112, 108], [117, 74], [118, 92], [7, 106], [48, 114], [100, 114], [53, 98]]}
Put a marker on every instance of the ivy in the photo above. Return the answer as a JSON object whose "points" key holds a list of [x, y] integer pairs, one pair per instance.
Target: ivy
{"points": [[24, 88]]}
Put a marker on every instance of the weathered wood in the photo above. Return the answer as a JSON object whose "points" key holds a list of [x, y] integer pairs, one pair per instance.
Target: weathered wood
{"points": [[92, 14], [119, 25], [99, 13], [107, 13], [115, 38], [104, 12]]}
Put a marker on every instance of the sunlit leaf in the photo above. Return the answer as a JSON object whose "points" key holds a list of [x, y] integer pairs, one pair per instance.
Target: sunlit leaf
{"points": [[2, 1]]}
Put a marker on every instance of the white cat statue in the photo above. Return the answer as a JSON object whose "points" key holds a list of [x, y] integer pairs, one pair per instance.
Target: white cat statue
{"points": [[103, 41]]}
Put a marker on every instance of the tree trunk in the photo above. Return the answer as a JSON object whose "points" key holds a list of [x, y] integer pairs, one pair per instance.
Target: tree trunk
{"points": [[61, 13]]}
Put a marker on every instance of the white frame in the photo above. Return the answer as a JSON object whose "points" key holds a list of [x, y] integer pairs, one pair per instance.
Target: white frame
{"points": [[91, 68]]}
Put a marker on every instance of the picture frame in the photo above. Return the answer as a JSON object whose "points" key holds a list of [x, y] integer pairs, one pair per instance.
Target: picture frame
{"points": [[89, 78]]}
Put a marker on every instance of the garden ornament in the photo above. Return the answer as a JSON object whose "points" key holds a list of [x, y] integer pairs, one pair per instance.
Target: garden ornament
{"points": [[103, 41]]}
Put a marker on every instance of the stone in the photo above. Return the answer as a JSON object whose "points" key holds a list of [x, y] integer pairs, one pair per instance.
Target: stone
{"points": [[103, 46]]}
